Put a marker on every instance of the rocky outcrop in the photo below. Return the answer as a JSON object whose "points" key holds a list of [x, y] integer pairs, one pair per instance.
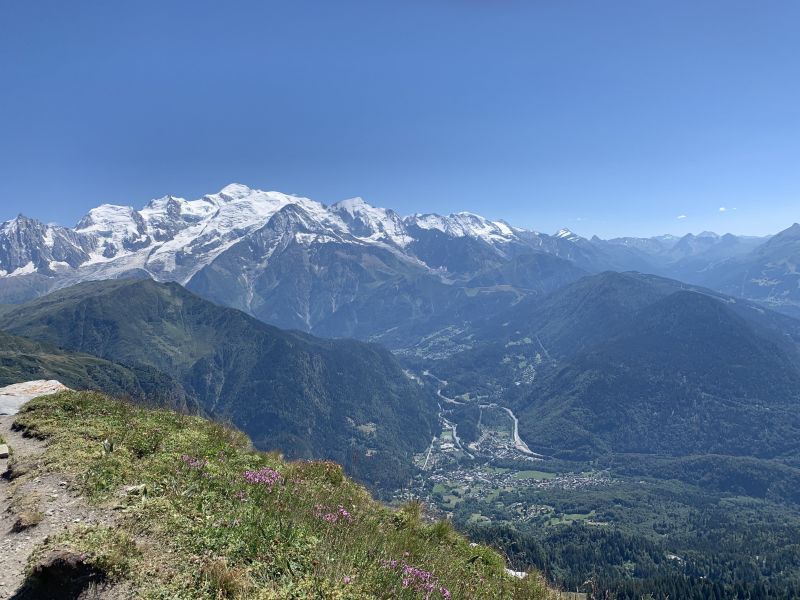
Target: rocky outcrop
{"points": [[14, 396]]}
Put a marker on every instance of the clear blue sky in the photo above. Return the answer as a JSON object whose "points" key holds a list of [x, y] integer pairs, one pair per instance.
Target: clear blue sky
{"points": [[608, 117]]}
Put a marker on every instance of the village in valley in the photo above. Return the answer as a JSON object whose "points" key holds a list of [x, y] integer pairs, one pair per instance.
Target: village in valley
{"points": [[495, 477]]}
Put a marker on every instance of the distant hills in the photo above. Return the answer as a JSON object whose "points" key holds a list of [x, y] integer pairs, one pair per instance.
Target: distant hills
{"points": [[340, 399], [769, 273]]}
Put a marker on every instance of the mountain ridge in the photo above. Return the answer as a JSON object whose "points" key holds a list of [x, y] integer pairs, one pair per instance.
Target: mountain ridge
{"points": [[287, 389], [297, 263]]}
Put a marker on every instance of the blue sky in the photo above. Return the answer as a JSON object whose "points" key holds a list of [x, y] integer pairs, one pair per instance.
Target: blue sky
{"points": [[607, 117]]}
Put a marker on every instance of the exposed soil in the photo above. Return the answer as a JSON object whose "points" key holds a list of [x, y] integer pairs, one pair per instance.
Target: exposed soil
{"points": [[33, 507]]}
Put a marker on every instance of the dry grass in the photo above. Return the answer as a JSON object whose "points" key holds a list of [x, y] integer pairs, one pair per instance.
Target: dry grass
{"points": [[27, 519], [26, 509]]}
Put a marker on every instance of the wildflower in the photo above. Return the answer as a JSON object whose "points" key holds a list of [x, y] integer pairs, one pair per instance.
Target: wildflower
{"points": [[418, 580], [193, 463], [347, 579], [330, 515], [266, 477]]}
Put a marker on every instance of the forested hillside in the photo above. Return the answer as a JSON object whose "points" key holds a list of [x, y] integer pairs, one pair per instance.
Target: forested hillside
{"points": [[338, 399]]}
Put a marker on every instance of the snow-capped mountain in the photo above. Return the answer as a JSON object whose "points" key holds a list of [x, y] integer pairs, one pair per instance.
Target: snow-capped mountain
{"points": [[28, 246], [370, 223], [465, 224], [346, 269], [172, 238], [289, 260]]}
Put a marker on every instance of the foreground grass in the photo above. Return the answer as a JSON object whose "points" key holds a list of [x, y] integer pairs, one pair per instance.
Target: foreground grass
{"points": [[202, 515]]}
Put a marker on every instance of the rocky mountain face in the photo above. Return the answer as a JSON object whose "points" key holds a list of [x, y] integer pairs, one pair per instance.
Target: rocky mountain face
{"points": [[29, 246]]}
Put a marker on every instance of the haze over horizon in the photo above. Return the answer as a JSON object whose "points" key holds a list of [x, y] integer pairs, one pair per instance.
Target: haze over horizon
{"points": [[546, 116]]}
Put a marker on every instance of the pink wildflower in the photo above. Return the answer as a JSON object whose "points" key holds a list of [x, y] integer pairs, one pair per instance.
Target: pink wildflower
{"points": [[419, 580], [331, 515], [266, 477]]}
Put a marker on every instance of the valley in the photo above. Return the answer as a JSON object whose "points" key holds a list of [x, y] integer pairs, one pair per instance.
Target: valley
{"points": [[453, 475], [495, 441], [545, 508]]}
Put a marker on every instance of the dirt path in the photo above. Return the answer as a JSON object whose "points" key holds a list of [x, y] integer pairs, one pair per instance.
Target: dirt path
{"points": [[50, 497]]}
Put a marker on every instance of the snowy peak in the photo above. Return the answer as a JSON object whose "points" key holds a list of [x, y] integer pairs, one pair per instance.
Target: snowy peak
{"points": [[118, 229], [172, 238], [566, 234], [29, 246], [371, 223], [464, 224], [297, 223], [20, 221], [110, 219], [357, 207], [235, 191]]}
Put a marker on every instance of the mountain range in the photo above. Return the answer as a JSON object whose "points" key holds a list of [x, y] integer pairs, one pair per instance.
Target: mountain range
{"points": [[354, 270]]}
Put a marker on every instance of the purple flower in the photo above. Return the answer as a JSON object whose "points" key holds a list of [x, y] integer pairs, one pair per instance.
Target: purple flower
{"points": [[419, 580], [266, 477], [331, 515]]}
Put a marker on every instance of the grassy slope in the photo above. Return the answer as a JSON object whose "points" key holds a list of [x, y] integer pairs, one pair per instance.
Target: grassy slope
{"points": [[202, 531]]}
